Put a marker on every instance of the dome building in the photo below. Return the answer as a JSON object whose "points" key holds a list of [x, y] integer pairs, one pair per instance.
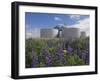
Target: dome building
{"points": [[48, 33], [70, 33], [62, 32]]}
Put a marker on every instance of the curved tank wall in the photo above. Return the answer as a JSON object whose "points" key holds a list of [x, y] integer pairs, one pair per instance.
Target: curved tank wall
{"points": [[83, 34], [48, 33], [70, 33]]}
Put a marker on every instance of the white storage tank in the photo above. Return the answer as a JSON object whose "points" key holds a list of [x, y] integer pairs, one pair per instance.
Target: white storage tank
{"points": [[83, 34], [48, 33], [70, 33]]}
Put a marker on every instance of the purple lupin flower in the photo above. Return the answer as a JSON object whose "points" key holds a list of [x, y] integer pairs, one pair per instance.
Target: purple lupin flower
{"points": [[70, 50], [60, 56], [83, 56], [35, 60], [48, 60], [47, 57], [60, 53], [87, 57], [43, 53]]}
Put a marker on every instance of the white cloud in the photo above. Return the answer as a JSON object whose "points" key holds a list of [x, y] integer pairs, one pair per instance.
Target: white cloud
{"points": [[33, 33], [77, 17], [83, 25], [28, 35], [57, 19]]}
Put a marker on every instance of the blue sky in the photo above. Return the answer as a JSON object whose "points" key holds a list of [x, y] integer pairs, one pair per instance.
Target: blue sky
{"points": [[42, 20], [35, 21]]}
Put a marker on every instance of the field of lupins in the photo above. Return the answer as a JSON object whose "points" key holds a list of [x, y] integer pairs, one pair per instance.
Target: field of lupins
{"points": [[56, 52]]}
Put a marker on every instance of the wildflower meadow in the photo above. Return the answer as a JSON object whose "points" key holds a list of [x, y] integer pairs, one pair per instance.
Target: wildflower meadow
{"points": [[56, 52]]}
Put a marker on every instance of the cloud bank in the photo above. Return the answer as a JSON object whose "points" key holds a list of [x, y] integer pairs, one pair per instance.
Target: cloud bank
{"points": [[33, 33], [83, 25], [76, 17]]}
